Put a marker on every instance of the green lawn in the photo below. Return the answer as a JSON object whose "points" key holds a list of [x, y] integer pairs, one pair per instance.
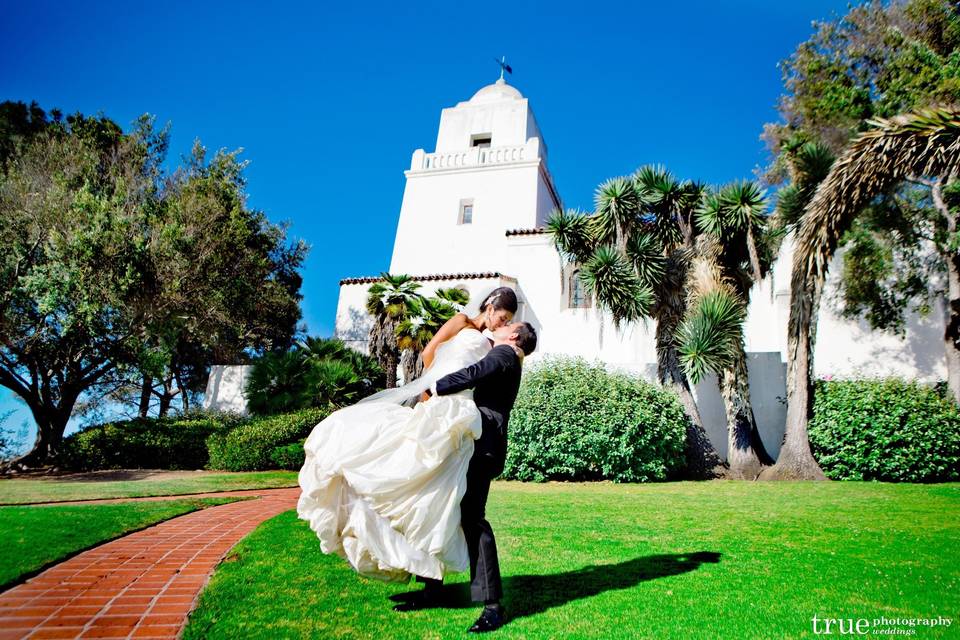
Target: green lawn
{"points": [[36, 537], [137, 484], [679, 560]]}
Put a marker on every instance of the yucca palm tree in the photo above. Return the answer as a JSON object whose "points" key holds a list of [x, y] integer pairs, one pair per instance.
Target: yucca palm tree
{"points": [[424, 318], [634, 252], [730, 257], [389, 302], [923, 145]]}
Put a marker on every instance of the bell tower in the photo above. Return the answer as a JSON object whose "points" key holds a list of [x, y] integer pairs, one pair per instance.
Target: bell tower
{"points": [[488, 174]]}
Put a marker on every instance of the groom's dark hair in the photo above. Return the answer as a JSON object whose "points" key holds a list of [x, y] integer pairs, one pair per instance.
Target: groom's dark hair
{"points": [[526, 338]]}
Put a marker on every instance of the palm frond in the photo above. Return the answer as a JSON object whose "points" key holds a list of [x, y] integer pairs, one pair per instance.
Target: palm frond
{"points": [[707, 338], [571, 233], [615, 286], [646, 255], [616, 208], [920, 143]]}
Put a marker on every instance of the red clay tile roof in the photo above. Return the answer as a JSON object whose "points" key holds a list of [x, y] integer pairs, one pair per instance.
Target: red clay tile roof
{"points": [[436, 276], [526, 232]]}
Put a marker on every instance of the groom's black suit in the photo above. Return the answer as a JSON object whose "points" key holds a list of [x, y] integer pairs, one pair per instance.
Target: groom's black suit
{"points": [[495, 381]]}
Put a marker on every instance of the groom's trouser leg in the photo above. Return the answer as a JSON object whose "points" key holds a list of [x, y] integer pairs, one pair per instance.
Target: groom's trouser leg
{"points": [[485, 583]]}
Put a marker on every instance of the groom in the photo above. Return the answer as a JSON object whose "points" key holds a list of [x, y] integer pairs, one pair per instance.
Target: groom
{"points": [[495, 381]]}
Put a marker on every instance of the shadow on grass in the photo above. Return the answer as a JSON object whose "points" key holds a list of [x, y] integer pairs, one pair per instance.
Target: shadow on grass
{"points": [[529, 595]]}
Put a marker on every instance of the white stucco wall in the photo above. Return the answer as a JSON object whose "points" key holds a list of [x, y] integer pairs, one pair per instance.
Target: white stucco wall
{"points": [[225, 386]]}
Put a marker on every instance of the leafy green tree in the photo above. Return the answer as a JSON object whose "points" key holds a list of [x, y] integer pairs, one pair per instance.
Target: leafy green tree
{"points": [[389, 301], [75, 285], [116, 272], [226, 270]]}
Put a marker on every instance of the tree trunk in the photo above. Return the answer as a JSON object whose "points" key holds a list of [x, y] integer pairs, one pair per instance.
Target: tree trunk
{"points": [[743, 459], [146, 392], [951, 334], [51, 423], [795, 461], [391, 367], [703, 461]]}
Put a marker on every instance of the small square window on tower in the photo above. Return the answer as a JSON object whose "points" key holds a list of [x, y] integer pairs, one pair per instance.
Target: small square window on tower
{"points": [[466, 212], [482, 140]]}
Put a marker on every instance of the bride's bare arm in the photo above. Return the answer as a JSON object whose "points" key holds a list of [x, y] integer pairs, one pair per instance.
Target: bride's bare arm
{"points": [[449, 329]]}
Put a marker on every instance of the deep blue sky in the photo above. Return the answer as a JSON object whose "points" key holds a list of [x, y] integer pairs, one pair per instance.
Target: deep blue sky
{"points": [[328, 101]]}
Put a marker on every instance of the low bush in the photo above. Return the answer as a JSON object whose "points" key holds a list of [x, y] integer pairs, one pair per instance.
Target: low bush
{"points": [[317, 372], [888, 429], [289, 456], [250, 446], [145, 443], [574, 420]]}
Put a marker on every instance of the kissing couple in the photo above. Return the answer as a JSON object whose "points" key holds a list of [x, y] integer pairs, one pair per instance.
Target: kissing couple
{"points": [[400, 489]]}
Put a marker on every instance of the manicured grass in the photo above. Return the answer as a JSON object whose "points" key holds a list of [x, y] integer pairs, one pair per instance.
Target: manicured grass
{"points": [[679, 560], [36, 537], [137, 483]]}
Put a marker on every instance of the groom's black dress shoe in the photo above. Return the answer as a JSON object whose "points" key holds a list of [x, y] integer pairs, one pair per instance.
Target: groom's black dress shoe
{"points": [[418, 601], [489, 620]]}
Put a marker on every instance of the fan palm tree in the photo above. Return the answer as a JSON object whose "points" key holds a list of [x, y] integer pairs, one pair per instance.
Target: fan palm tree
{"points": [[425, 317], [922, 145], [389, 302]]}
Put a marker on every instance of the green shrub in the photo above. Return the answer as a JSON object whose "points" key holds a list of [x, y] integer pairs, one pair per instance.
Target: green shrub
{"points": [[318, 372], [144, 443], [576, 421], [889, 429], [249, 447], [289, 456]]}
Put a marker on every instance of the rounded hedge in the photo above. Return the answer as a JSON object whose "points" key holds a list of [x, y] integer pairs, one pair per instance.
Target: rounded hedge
{"points": [[144, 443], [289, 456], [886, 429], [574, 420], [250, 446]]}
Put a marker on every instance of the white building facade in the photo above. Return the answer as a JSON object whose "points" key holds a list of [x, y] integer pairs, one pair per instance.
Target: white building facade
{"points": [[472, 216]]}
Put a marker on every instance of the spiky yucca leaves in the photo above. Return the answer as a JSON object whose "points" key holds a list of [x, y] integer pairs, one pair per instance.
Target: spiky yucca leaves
{"points": [[809, 163], [617, 208], [746, 207], [646, 255], [708, 335], [573, 234], [615, 286], [663, 198]]}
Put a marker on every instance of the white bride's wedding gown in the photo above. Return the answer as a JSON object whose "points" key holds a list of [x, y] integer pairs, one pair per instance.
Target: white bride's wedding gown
{"points": [[382, 482]]}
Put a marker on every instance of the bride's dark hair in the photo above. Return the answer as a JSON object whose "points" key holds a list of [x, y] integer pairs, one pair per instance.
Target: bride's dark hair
{"points": [[500, 299]]}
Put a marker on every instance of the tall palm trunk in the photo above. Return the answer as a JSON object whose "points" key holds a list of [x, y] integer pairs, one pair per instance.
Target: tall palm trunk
{"points": [[746, 455], [703, 461], [951, 333], [796, 461]]}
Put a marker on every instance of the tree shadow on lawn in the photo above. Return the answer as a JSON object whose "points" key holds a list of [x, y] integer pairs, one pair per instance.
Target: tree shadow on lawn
{"points": [[529, 595]]}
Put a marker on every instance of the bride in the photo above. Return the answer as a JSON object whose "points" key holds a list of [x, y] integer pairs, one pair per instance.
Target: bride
{"points": [[382, 482]]}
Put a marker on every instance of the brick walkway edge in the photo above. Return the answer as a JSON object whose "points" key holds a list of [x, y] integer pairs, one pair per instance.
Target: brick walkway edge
{"points": [[142, 585]]}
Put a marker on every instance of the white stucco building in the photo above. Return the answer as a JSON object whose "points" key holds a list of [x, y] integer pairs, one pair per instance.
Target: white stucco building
{"points": [[472, 216]]}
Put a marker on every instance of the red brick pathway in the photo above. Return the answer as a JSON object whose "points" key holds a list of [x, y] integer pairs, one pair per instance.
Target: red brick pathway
{"points": [[139, 586]]}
